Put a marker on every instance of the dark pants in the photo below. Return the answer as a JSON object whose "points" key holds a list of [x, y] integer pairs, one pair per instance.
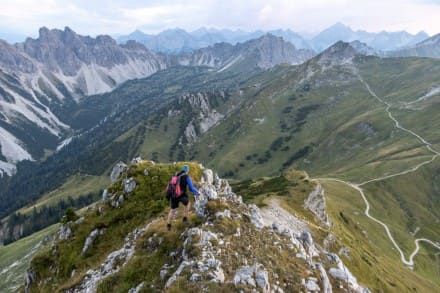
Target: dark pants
{"points": [[175, 201]]}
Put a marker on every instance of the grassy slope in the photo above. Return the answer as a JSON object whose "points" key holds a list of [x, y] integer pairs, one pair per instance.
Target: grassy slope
{"points": [[74, 187], [145, 203], [370, 249], [369, 258], [15, 259], [338, 147]]}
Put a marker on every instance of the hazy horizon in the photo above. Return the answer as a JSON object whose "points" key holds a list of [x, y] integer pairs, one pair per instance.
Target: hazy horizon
{"points": [[21, 18]]}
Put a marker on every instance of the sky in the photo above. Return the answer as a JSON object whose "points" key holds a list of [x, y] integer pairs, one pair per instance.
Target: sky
{"points": [[119, 17]]}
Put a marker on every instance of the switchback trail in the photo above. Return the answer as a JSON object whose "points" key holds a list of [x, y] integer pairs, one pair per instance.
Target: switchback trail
{"points": [[409, 262]]}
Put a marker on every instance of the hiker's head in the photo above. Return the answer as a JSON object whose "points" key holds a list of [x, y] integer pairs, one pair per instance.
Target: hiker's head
{"points": [[185, 169]]}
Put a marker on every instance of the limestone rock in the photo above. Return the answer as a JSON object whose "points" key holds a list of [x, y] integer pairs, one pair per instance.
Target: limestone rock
{"points": [[195, 277], [254, 276], [245, 276], [117, 170], [200, 206], [79, 221], [307, 241], [137, 289], [104, 195], [65, 232], [316, 204], [29, 279], [209, 192], [262, 279], [255, 216], [225, 214], [112, 263], [326, 285], [208, 176], [342, 273], [91, 238], [136, 160], [176, 274], [129, 185], [311, 285]]}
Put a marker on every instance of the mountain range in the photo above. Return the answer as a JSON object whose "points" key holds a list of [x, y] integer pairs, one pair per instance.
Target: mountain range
{"points": [[363, 126], [178, 40], [41, 76]]}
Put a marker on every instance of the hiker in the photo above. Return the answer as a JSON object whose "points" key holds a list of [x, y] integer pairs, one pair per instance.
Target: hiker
{"points": [[183, 180]]}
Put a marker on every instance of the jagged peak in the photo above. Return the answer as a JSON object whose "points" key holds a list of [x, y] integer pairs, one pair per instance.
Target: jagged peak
{"points": [[339, 52]]}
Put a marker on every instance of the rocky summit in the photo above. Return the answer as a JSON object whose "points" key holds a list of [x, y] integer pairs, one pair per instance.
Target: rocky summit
{"points": [[227, 244], [43, 81]]}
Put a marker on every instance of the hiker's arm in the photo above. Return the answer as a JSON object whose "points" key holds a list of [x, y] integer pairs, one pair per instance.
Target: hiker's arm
{"points": [[191, 186]]}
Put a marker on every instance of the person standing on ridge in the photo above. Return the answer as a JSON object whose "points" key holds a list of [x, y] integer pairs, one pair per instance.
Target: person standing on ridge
{"points": [[184, 181]]}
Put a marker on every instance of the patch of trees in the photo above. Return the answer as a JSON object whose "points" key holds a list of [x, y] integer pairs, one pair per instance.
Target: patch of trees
{"points": [[21, 225], [299, 154]]}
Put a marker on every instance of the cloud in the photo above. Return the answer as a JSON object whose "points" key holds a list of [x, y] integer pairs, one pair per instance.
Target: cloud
{"points": [[122, 17]]}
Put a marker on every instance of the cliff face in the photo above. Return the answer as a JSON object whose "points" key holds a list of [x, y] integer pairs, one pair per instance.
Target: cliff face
{"points": [[122, 244]]}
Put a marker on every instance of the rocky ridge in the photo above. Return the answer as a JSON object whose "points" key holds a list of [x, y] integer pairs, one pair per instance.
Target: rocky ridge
{"points": [[41, 76], [227, 244]]}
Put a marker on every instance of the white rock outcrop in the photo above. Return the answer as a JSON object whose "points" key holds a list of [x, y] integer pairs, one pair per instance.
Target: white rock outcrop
{"points": [[342, 273], [315, 202], [91, 238], [112, 264], [64, 232], [253, 276], [117, 170], [255, 216], [129, 185]]}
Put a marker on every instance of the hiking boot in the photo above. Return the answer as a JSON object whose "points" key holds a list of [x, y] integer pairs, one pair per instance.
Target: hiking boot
{"points": [[169, 227], [185, 219]]}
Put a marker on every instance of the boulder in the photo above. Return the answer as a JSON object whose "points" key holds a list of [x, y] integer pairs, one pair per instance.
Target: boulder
{"points": [[137, 289], [129, 185], [254, 276], [224, 214], [117, 170], [311, 285], [338, 274], [255, 216], [29, 279], [89, 240], [79, 221], [208, 176], [262, 279], [104, 195], [65, 232], [136, 160], [209, 192], [245, 276]]}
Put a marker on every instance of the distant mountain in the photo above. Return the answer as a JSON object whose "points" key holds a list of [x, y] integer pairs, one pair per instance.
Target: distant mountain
{"points": [[175, 41], [39, 77], [264, 52], [426, 48], [379, 41], [364, 49], [42, 80]]}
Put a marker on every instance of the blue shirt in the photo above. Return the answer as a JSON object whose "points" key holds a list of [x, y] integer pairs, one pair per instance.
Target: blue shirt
{"points": [[191, 186]]}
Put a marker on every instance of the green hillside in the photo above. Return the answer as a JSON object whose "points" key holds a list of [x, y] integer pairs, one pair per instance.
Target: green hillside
{"points": [[158, 254], [330, 125], [15, 258], [351, 119]]}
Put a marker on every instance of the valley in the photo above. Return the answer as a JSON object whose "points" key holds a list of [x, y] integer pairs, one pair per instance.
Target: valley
{"points": [[362, 126]]}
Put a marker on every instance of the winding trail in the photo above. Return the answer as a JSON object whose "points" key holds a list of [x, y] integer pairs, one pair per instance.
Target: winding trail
{"points": [[410, 261]]}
